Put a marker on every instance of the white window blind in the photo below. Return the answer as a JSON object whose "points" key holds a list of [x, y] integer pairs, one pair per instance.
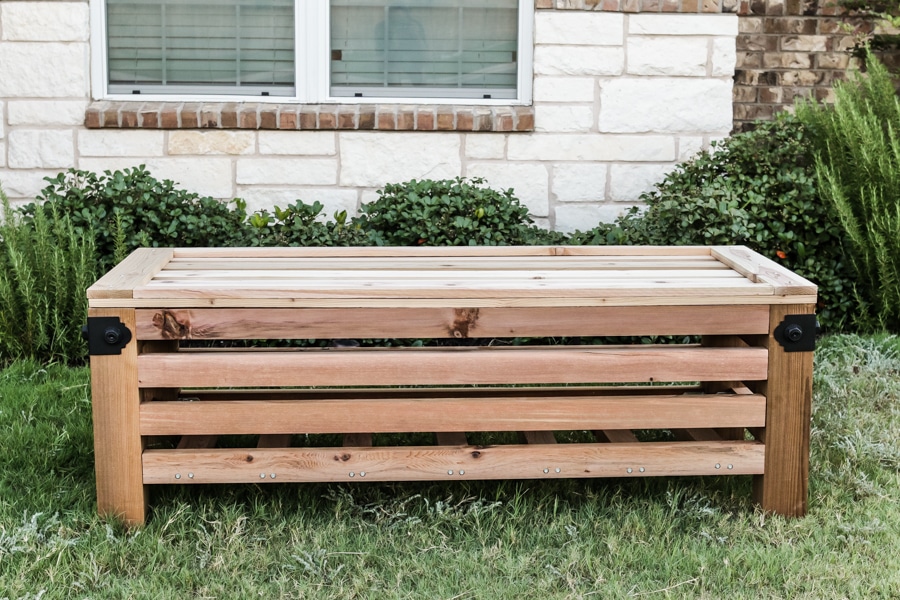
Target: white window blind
{"points": [[421, 48], [239, 47]]}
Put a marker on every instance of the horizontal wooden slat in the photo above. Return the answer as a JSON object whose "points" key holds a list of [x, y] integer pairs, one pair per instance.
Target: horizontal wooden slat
{"points": [[137, 269], [428, 463], [379, 323], [452, 366], [401, 251], [513, 301], [387, 415]]}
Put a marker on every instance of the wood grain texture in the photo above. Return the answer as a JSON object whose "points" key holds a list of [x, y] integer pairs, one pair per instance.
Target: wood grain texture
{"points": [[784, 488], [460, 323], [388, 415], [118, 444], [136, 270], [450, 366], [427, 463]]}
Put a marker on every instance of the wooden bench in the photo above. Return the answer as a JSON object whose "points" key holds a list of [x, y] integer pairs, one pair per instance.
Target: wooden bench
{"points": [[736, 403]]}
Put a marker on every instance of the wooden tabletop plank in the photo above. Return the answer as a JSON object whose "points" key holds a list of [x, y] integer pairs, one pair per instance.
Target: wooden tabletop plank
{"points": [[137, 269], [760, 269], [400, 251]]}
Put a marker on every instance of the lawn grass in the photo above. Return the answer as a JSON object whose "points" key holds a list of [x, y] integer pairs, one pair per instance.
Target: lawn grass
{"points": [[651, 538]]}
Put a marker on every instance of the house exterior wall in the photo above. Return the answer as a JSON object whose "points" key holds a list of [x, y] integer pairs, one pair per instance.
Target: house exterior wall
{"points": [[619, 99]]}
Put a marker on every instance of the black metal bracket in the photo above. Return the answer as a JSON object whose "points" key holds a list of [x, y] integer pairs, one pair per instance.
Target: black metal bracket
{"points": [[105, 335], [797, 333]]}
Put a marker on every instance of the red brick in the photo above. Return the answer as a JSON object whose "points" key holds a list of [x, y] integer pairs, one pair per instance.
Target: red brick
{"points": [[406, 119], [268, 116], [524, 119], [710, 6], [111, 117], [445, 119], [464, 119], [671, 6], [651, 5], [128, 116], [247, 117], [93, 116], [191, 117], [387, 119], [346, 118], [229, 116], [287, 118], [210, 116], [327, 118], [149, 115], [484, 120], [504, 122], [308, 119], [366, 117], [690, 6], [610, 5], [168, 116], [425, 119]]}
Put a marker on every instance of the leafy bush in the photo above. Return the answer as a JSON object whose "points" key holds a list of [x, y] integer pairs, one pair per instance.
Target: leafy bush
{"points": [[45, 268], [857, 152], [298, 225], [453, 212], [131, 209], [758, 189]]}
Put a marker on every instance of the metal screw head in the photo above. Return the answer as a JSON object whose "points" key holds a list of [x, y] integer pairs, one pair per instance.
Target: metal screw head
{"points": [[718, 466], [190, 475], [177, 475], [641, 469], [362, 474], [272, 475], [546, 470], [352, 474], [629, 470], [262, 475], [449, 472], [730, 466], [461, 472], [558, 469]]}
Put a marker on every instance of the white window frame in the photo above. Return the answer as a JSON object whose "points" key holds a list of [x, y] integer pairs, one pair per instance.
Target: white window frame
{"points": [[312, 70]]}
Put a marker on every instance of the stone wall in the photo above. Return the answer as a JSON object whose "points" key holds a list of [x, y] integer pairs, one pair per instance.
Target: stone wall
{"points": [[619, 99]]}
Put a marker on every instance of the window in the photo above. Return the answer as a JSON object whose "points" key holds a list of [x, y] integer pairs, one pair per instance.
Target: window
{"points": [[315, 51]]}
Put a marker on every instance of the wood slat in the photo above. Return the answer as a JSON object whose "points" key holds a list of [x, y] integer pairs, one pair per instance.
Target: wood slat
{"points": [[137, 269], [388, 415], [325, 323], [760, 269], [260, 300], [442, 251], [428, 463], [451, 366]]}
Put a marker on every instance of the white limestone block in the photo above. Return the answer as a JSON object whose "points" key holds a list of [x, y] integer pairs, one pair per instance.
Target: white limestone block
{"points": [[287, 171], [628, 182], [564, 89], [46, 112], [485, 145], [207, 176], [333, 199], [530, 182], [592, 147], [579, 28], [683, 24], [370, 159], [207, 142], [724, 57], [572, 217], [563, 118], [668, 56], [1, 120], [41, 149], [121, 142], [2, 156], [689, 146], [671, 104], [298, 143], [578, 60], [43, 70], [45, 21], [24, 185], [585, 182]]}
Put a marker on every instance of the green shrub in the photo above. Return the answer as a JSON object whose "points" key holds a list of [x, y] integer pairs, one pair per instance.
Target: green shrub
{"points": [[131, 209], [758, 189], [298, 225], [45, 268], [455, 212], [857, 151]]}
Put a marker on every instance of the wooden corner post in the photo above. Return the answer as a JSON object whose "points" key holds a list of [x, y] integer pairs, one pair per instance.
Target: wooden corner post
{"points": [[118, 445], [783, 488]]}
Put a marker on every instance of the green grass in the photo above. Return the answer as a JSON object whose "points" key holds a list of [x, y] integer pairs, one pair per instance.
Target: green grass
{"points": [[653, 538]]}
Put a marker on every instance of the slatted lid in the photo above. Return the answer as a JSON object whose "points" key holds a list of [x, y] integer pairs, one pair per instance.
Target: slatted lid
{"points": [[440, 276]]}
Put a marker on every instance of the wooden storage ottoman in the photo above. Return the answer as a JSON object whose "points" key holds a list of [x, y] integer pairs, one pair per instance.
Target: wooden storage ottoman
{"points": [[736, 403]]}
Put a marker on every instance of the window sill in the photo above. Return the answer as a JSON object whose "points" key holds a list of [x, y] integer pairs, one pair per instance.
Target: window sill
{"points": [[293, 117]]}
